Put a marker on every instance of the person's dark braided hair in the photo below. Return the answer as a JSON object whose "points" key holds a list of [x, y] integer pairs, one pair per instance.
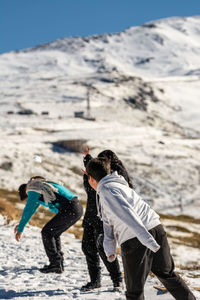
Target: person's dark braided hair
{"points": [[116, 165]]}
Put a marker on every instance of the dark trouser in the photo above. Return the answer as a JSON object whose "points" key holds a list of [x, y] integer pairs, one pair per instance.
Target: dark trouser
{"points": [[92, 247], [69, 213], [138, 261]]}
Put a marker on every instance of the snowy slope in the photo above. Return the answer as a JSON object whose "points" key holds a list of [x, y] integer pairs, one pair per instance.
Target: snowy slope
{"points": [[143, 86], [20, 278]]}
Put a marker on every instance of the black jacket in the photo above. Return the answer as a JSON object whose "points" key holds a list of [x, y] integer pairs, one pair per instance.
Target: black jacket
{"points": [[90, 217]]}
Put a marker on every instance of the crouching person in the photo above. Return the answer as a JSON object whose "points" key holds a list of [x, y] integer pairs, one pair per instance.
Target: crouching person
{"points": [[60, 201], [139, 232]]}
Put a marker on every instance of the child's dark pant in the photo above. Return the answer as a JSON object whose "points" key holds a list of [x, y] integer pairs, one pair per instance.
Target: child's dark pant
{"points": [[138, 261], [92, 246], [69, 213]]}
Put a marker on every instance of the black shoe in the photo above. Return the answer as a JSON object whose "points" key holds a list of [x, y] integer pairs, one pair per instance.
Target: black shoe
{"points": [[117, 286], [52, 268], [90, 286], [62, 265]]}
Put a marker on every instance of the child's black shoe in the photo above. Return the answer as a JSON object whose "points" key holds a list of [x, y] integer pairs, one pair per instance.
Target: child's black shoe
{"points": [[117, 286], [90, 286], [52, 268]]}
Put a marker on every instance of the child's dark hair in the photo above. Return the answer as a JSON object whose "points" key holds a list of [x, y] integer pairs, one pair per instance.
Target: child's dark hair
{"points": [[98, 168], [116, 165], [22, 191]]}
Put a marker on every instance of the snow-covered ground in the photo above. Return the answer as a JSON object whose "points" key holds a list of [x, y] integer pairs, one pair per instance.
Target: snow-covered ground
{"points": [[20, 278]]}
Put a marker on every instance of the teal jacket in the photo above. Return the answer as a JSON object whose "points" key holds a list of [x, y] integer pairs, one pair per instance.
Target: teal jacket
{"points": [[34, 200]]}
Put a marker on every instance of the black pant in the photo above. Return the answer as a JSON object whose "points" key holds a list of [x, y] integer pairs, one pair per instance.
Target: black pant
{"points": [[69, 213], [138, 261], [92, 246]]}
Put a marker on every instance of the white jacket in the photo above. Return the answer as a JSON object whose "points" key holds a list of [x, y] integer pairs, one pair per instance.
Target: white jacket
{"points": [[125, 215]]}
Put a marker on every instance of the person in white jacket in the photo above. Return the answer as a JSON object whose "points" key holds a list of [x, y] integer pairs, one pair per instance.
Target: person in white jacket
{"points": [[137, 228]]}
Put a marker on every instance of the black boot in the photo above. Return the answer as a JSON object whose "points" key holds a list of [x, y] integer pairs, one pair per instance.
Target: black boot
{"points": [[62, 266], [91, 286], [55, 267], [117, 284]]}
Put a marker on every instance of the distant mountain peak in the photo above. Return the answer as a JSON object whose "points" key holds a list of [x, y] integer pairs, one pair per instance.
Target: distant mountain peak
{"points": [[166, 47]]}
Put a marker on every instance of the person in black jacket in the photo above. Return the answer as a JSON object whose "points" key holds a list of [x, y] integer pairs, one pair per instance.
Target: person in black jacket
{"points": [[92, 242]]}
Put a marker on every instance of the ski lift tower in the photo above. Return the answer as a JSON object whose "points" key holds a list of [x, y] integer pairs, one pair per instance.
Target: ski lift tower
{"points": [[88, 115], [80, 114]]}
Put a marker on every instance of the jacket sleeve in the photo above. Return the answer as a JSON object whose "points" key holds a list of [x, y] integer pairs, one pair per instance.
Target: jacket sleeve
{"points": [[119, 208], [32, 205], [86, 184], [109, 242], [86, 159]]}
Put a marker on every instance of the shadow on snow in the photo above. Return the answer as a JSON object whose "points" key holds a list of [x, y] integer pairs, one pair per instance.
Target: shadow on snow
{"points": [[10, 294]]}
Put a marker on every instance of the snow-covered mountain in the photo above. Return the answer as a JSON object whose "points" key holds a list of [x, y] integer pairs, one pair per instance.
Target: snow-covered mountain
{"points": [[169, 47], [142, 86]]}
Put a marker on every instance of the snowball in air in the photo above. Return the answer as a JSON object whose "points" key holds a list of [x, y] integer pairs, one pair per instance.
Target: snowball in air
{"points": [[37, 158]]}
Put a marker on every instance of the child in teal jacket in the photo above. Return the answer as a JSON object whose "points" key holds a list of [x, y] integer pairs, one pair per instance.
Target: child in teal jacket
{"points": [[60, 201]]}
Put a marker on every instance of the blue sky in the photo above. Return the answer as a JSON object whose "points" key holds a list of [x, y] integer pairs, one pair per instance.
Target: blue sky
{"points": [[27, 23]]}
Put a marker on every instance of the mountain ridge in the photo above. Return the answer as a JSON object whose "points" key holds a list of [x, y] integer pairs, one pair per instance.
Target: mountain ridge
{"points": [[139, 51]]}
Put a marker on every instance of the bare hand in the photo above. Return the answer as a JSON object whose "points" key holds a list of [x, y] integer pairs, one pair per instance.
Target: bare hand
{"points": [[87, 151], [111, 257], [18, 236]]}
